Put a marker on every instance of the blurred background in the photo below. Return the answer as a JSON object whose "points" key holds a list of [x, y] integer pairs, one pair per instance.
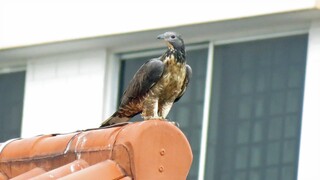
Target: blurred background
{"points": [[251, 111]]}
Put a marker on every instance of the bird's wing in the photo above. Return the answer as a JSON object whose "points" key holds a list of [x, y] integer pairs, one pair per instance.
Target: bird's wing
{"points": [[148, 74], [186, 82]]}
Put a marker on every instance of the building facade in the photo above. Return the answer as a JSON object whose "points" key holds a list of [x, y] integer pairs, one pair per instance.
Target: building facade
{"points": [[250, 112]]}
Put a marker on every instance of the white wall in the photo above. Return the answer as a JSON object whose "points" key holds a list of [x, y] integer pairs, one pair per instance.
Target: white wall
{"points": [[64, 93], [37, 21], [309, 158]]}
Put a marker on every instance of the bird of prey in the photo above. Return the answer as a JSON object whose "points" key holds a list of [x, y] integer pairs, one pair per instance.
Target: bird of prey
{"points": [[156, 85]]}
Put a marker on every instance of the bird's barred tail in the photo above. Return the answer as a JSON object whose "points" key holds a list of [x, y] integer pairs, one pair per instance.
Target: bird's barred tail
{"points": [[114, 119]]}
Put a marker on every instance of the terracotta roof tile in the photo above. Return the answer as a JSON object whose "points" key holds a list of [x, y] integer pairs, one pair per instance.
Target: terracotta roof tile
{"points": [[104, 170], [144, 150], [2, 176], [63, 170], [32, 173]]}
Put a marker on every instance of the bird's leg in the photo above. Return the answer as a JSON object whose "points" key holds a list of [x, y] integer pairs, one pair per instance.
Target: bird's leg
{"points": [[164, 109], [150, 109]]}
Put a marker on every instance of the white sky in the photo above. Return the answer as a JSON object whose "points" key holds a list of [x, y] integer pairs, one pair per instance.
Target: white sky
{"points": [[38, 21]]}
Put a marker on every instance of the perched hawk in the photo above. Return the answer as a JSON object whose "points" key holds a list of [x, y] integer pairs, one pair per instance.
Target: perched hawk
{"points": [[156, 85]]}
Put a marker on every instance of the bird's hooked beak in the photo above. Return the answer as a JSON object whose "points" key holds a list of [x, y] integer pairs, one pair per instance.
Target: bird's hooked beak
{"points": [[161, 36]]}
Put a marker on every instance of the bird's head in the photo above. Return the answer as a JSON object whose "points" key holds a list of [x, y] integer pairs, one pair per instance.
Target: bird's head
{"points": [[173, 40]]}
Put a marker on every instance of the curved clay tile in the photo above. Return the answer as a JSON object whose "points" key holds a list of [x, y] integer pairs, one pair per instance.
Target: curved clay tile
{"points": [[32, 173], [104, 170], [2, 176], [62, 171], [151, 149]]}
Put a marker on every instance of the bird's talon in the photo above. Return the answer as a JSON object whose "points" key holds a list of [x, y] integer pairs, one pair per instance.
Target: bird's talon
{"points": [[175, 123], [154, 118]]}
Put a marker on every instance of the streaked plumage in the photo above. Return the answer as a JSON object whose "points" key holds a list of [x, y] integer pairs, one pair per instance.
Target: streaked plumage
{"points": [[156, 85]]}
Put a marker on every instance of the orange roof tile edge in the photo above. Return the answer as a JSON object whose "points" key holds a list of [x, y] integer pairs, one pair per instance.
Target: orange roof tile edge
{"points": [[63, 170], [153, 149], [3, 177], [32, 173], [104, 170]]}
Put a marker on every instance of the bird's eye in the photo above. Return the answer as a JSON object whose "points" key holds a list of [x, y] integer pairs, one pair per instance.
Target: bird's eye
{"points": [[173, 36]]}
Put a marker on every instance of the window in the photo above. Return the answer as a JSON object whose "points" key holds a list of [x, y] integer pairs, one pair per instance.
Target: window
{"points": [[256, 109], [11, 104], [190, 121]]}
